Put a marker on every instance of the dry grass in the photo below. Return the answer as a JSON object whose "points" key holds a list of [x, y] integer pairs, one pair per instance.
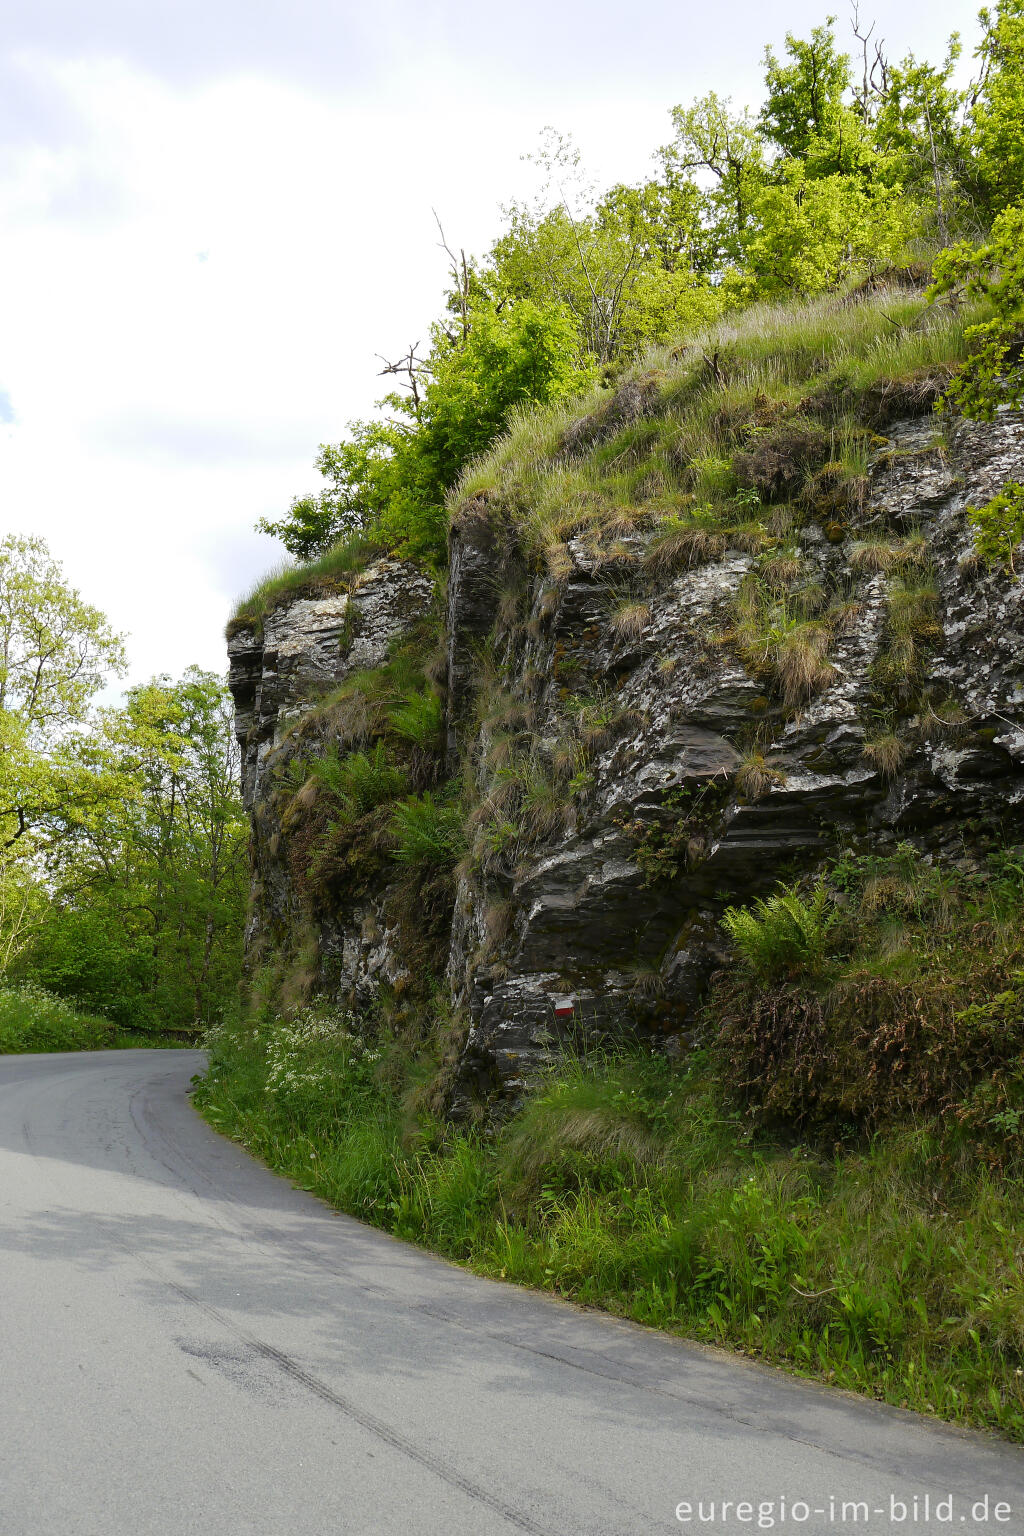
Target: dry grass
{"points": [[881, 555], [682, 546], [631, 619], [756, 778], [887, 753]]}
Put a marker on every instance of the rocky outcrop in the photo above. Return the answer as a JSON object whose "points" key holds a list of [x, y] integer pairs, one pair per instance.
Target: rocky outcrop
{"points": [[281, 672], [670, 777], [619, 913]]}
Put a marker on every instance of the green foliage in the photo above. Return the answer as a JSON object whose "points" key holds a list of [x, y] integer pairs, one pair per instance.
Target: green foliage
{"points": [[33, 1019], [631, 1184], [999, 525], [55, 653], [417, 719], [999, 108], [387, 482], [679, 837], [813, 233], [781, 934], [993, 273], [804, 105], [358, 782], [428, 832], [917, 1009]]}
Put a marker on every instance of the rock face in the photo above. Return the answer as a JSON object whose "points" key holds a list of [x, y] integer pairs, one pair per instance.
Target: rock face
{"points": [[672, 781], [620, 912], [279, 673]]}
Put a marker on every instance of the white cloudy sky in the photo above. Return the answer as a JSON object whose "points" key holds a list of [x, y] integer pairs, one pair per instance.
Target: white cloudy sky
{"points": [[214, 213]]}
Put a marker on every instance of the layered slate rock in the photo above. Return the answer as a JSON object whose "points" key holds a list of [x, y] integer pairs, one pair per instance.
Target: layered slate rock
{"points": [[308, 644], [280, 673], [610, 926], [586, 920]]}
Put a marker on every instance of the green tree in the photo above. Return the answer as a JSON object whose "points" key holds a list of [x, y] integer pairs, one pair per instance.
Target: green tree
{"points": [[55, 651], [727, 146], [389, 478], [805, 97], [148, 893], [999, 106]]}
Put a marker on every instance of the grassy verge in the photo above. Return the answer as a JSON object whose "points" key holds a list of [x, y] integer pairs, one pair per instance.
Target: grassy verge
{"points": [[32, 1019], [881, 1254]]}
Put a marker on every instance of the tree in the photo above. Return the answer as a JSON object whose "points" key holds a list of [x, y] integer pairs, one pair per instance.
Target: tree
{"points": [[812, 234], [728, 146], [389, 478], [148, 894], [55, 651], [805, 96], [999, 106]]}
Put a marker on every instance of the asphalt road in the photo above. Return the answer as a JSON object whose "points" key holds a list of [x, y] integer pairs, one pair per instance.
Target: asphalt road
{"points": [[187, 1344]]}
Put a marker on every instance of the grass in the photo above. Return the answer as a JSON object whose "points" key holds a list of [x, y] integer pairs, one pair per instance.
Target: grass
{"points": [[33, 1019], [801, 376], [784, 638], [632, 1185], [332, 570]]}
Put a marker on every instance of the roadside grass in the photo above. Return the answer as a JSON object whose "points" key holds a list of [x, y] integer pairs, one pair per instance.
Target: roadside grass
{"points": [[885, 1255], [33, 1019]]}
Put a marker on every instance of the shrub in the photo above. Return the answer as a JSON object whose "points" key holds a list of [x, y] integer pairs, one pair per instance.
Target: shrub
{"points": [[999, 525], [781, 934]]}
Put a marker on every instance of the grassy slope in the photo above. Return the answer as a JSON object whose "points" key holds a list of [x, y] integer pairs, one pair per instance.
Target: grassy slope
{"points": [[835, 1184]]}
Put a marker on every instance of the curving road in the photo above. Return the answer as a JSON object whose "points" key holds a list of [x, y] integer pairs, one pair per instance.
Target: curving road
{"points": [[187, 1344]]}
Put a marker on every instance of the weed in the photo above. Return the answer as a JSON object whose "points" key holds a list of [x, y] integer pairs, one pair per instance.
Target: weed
{"points": [[999, 526], [755, 778]]}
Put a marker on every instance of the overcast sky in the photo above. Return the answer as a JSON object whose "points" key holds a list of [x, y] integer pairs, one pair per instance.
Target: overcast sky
{"points": [[214, 213]]}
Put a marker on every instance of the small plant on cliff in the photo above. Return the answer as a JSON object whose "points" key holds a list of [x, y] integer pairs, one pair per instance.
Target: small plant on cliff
{"points": [[417, 719], [427, 832], [360, 781], [781, 637], [999, 526], [781, 934]]}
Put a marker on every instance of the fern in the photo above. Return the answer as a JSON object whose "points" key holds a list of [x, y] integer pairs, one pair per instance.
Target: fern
{"points": [[360, 781], [417, 719], [426, 832], [783, 933]]}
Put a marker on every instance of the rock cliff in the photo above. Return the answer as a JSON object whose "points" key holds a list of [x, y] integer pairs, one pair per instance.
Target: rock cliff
{"points": [[644, 736]]}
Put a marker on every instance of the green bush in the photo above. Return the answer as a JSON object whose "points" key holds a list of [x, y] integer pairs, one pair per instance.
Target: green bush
{"points": [[32, 1019], [999, 525], [781, 934]]}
